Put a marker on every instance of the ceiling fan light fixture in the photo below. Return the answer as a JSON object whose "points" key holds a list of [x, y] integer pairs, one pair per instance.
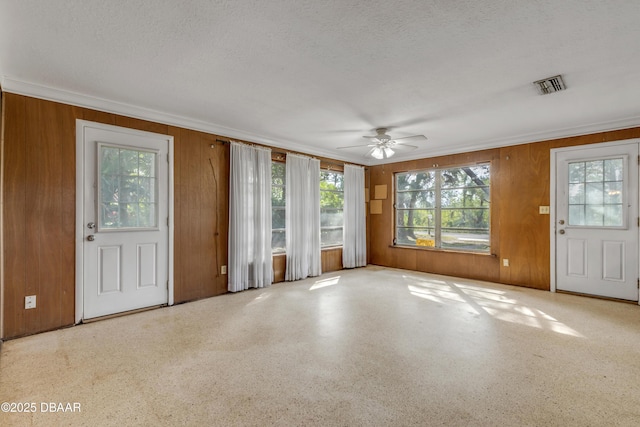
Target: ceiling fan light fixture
{"points": [[377, 153], [381, 145]]}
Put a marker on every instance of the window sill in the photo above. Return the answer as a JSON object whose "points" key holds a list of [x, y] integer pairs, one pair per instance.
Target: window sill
{"points": [[326, 248], [449, 251]]}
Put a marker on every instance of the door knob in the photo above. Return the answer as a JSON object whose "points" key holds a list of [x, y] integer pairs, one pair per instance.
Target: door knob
{"points": [[91, 225], [561, 221], [561, 231], [91, 237]]}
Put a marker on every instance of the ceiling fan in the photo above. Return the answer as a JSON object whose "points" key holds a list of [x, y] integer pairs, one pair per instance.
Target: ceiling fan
{"points": [[382, 146]]}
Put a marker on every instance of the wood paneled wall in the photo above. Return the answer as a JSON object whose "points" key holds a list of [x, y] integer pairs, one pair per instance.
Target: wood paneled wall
{"points": [[38, 157], [331, 260], [39, 211], [202, 213], [38, 214], [520, 184]]}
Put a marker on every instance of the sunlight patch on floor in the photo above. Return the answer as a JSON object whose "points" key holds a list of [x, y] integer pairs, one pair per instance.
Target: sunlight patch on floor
{"points": [[494, 302], [324, 283], [260, 298], [435, 294]]}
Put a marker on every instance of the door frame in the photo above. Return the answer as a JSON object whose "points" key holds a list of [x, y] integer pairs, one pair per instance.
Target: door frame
{"points": [[553, 197], [81, 126]]}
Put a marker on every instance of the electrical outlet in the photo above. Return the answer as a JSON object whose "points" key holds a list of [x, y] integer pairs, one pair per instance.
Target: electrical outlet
{"points": [[30, 302], [505, 262], [223, 269]]}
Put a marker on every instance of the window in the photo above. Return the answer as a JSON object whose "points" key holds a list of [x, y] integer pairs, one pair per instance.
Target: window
{"points": [[444, 208], [331, 208], [278, 213], [127, 188], [596, 193]]}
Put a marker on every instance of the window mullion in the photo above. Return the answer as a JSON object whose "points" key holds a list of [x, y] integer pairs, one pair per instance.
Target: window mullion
{"points": [[438, 214]]}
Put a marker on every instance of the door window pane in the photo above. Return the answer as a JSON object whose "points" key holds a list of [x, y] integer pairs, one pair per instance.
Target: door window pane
{"points": [[576, 215], [594, 171], [613, 193], [613, 170], [613, 216], [594, 215], [127, 188], [576, 172], [596, 193], [576, 194]]}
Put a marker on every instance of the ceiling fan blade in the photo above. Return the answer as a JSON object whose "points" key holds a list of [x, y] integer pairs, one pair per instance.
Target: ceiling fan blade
{"points": [[403, 147], [341, 131], [356, 146], [370, 137], [412, 138]]}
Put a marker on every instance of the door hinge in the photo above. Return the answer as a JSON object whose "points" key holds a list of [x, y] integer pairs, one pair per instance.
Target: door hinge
{"points": [[639, 159], [168, 221], [638, 283]]}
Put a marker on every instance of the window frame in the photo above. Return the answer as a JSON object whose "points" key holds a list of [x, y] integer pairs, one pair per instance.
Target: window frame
{"points": [[624, 190], [332, 227], [437, 209], [282, 208], [100, 202]]}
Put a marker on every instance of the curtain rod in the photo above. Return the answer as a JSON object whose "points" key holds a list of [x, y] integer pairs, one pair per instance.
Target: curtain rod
{"points": [[277, 151]]}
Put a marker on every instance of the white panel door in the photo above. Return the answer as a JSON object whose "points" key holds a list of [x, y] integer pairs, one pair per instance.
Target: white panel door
{"points": [[596, 220], [125, 220]]}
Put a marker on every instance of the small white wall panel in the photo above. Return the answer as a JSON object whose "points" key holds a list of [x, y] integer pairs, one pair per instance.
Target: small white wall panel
{"points": [[577, 257], [147, 264], [109, 270], [613, 260]]}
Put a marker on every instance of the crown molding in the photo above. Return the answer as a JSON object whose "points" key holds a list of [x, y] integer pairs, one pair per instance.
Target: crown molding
{"points": [[48, 93], [529, 138]]}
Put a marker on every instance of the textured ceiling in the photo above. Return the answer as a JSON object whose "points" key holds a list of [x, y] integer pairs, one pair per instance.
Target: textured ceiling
{"points": [[316, 75]]}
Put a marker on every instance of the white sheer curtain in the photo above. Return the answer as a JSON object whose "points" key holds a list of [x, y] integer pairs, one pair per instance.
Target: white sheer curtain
{"points": [[303, 217], [354, 247], [250, 263]]}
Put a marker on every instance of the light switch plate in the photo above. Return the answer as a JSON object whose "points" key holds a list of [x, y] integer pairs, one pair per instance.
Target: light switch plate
{"points": [[544, 210]]}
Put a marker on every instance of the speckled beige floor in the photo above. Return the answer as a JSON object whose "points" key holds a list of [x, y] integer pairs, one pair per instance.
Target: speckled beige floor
{"points": [[370, 346]]}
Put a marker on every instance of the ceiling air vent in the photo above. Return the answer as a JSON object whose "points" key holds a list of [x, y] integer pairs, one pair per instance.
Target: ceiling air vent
{"points": [[550, 85]]}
